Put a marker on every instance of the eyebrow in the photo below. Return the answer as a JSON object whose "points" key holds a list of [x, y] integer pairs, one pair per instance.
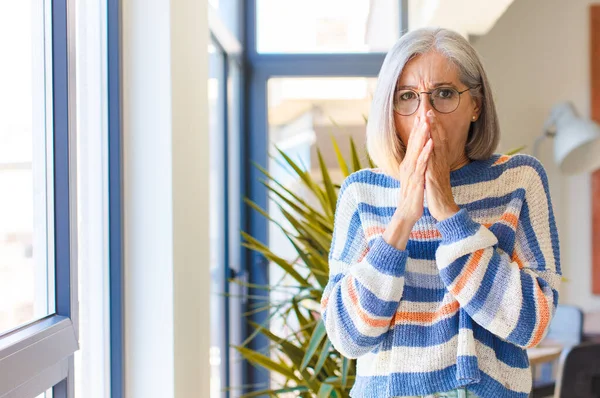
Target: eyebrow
{"points": [[435, 85]]}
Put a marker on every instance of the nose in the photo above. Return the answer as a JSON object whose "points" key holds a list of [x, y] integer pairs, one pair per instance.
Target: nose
{"points": [[424, 106]]}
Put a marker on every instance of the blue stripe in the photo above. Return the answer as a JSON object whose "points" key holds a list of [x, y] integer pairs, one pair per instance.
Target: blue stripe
{"points": [[416, 279], [369, 177], [527, 317], [423, 295], [406, 335], [421, 249], [381, 211], [505, 236], [488, 282], [355, 232], [487, 311], [506, 352], [373, 304], [344, 321], [450, 273], [532, 242], [495, 201], [489, 385], [467, 370]]}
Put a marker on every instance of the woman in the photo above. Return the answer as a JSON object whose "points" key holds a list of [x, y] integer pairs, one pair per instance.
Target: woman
{"points": [[444, 264]]}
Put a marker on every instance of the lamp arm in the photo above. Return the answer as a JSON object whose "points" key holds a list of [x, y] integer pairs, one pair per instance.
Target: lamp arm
{"points": [[538, 142]]}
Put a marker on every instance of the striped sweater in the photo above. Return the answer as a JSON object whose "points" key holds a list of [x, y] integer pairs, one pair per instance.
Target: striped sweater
{"points": [[460, 306]]}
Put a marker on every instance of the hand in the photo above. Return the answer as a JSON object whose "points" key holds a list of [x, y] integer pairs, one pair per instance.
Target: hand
{"points": [[440, 200], [412, 173]]}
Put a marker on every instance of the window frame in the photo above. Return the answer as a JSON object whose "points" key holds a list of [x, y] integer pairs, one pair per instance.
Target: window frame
{"points": [[39, 355], [260, 67], [115, 201], [231, 50]]}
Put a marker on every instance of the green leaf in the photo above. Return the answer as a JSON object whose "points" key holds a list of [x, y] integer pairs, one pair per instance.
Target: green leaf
{"points": [[355, 158], [336, 382], [340, 158], [259, 247], [331, 196], [325, 390], [324, 355], [345, 369], [315, 342], [371, 164], [275, 392], [516, 150], [267, 362], [262, 212], [295, 197]]}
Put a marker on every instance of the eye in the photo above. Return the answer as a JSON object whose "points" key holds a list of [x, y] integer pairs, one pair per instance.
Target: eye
{"points": [[446, 93], [406, 95]]}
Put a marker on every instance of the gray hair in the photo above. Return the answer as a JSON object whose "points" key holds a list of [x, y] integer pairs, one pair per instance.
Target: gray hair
{"points": [[383, 143]]}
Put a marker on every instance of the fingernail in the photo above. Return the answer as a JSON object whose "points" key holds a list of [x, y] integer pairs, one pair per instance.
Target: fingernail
{"points": [[430, 113]]}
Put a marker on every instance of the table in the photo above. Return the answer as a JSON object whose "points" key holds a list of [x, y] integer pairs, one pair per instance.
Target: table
{"points": [[544, 354]]}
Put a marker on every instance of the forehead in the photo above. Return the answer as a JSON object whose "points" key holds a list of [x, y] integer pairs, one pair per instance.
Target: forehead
{"points": [[427, 69]]}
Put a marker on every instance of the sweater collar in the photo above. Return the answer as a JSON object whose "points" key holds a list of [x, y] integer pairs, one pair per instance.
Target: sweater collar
{"points": [[473, 168]]}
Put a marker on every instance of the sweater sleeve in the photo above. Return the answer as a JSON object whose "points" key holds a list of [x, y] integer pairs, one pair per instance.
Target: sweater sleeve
{"points": [[513, 296], [365, 282]]}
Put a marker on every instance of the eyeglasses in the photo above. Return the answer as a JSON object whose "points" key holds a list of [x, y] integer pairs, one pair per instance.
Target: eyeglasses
{"points": [[442, 99]]}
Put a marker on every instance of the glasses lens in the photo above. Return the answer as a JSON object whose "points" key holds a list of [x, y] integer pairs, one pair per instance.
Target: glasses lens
{"points": [[445, 99], [406, 102]]}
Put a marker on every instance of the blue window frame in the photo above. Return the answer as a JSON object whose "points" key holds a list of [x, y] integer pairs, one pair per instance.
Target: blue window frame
{"points": [[115, 198], [39, 355]]}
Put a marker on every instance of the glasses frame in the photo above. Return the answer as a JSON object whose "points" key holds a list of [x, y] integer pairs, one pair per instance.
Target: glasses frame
{"points": [[430, 98]]}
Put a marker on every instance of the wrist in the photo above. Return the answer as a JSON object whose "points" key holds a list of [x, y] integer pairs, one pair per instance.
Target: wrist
{"points": [[447, 212], [398, 231]]}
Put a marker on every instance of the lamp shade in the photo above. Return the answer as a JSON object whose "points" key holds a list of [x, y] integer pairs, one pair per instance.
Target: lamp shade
{"points": [[577, 140]]}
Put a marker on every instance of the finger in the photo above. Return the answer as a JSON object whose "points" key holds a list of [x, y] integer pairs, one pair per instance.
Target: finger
{"points": [[410, 146], [437, 132], [416, 141], [434, 127], [424, 158]]}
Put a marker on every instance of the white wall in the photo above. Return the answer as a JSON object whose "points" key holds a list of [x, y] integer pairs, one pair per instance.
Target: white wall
{"points": [[166, 171], [536, 55]]}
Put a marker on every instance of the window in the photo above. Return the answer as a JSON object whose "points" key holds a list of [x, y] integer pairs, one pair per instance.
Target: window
{"points": [[38, 312], [26, 217], [317, 26]]}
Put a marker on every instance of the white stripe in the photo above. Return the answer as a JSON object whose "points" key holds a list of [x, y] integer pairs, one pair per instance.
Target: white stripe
{"points": [[474, 281], [430, 359], [447, 254], [409, 359], [509, 311], [422, 266], [361, 326], [384, 287]]}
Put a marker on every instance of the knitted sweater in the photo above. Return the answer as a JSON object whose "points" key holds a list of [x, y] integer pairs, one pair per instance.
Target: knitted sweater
{"points": [[460, 306]]}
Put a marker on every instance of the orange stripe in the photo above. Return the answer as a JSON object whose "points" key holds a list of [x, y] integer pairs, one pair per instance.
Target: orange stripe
{"points": [[544, 316], [466, 274], [375, 323], [501, 159], [372, 231], [427, 234], [517, 259], [428, 317], [511, 219], [363, 254], [324, 303]]}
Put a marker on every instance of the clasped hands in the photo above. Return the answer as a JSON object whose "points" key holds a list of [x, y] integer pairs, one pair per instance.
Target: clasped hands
{"points": [[425, 170]]}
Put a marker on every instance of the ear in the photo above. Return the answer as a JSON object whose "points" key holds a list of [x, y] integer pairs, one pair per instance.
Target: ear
{"points": [[477, 106]]}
